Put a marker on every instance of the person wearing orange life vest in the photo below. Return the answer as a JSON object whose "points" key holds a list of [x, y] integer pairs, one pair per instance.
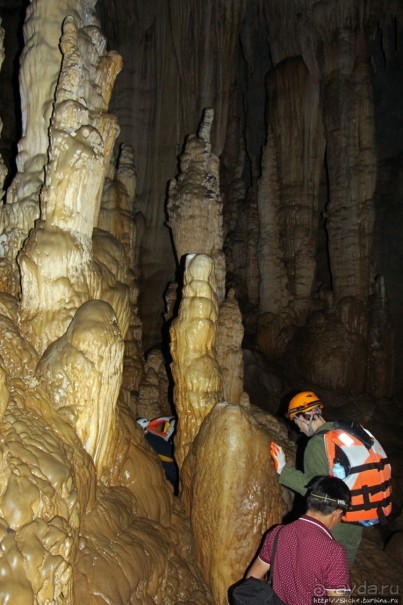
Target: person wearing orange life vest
{"points": [[345, 450]]}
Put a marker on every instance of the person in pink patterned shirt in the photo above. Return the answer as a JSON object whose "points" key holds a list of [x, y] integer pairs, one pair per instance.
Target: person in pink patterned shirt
{"points": [[310, 566]]}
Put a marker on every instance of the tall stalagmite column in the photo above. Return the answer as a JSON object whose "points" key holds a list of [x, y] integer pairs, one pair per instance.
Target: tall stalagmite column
{"points": [[198, 382], [40, 60], [228, 483], [114, 245], [229, 349], [187, 51], [195, 206], [82, 135]]}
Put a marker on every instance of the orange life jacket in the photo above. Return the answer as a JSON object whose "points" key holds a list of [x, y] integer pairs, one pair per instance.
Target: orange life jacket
{"points": [[368, 472]]}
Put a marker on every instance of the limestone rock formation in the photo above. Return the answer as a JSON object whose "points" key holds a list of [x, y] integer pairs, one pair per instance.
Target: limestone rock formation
{"points": [[194, 205], [288, 207], [82, 134], [188, 63], [115, 249], [154, 388], [197, 376], [82, 372], [227, 477], [288, 213], [41, 51], [229, 348], [234, 495], [69, 445], [47, 480]]}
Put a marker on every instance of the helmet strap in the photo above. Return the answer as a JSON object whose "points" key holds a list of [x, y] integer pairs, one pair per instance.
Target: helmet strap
{"points": [[310, 429], [314, 415]]}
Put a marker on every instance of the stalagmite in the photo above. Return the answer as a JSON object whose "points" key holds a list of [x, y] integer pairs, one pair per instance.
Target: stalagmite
{"points": [[161, 103], [70, 447], [194, 201], [82, 371], [228, 483], [198, 381], [233, 494], [195, 206], [47, 481], [229, 352], [81, 135], [117, 259], [41, 58], [153, 399]]}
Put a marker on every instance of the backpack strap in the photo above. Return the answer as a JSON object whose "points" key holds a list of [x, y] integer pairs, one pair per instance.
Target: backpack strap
{"points": [[353, 428], [273, 554]]}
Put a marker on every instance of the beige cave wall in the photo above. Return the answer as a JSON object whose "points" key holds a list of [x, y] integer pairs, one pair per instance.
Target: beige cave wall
{"points": [[86, 515]]}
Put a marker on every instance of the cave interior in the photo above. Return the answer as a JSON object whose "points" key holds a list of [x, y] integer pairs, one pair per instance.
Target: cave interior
{"points": [[201, 215]]}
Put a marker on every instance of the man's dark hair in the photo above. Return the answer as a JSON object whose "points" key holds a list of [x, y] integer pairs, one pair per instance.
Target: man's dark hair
{"points": [[327, 494]]}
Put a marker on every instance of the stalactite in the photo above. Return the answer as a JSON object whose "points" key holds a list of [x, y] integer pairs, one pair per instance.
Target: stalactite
{"points": [[288, 204], [292, 185], [350, 140]]}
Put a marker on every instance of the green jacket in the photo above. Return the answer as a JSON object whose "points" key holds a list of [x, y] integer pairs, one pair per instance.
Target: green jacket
{"points": [[315, 463]]}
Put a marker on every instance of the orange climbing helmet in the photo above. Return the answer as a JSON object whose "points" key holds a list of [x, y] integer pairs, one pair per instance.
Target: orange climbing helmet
{"points": [[303, 402]]}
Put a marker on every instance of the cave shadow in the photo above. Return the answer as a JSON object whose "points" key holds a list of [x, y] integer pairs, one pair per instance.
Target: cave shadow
{"points": [[166, 327], [299, 502], [13, 19]]}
